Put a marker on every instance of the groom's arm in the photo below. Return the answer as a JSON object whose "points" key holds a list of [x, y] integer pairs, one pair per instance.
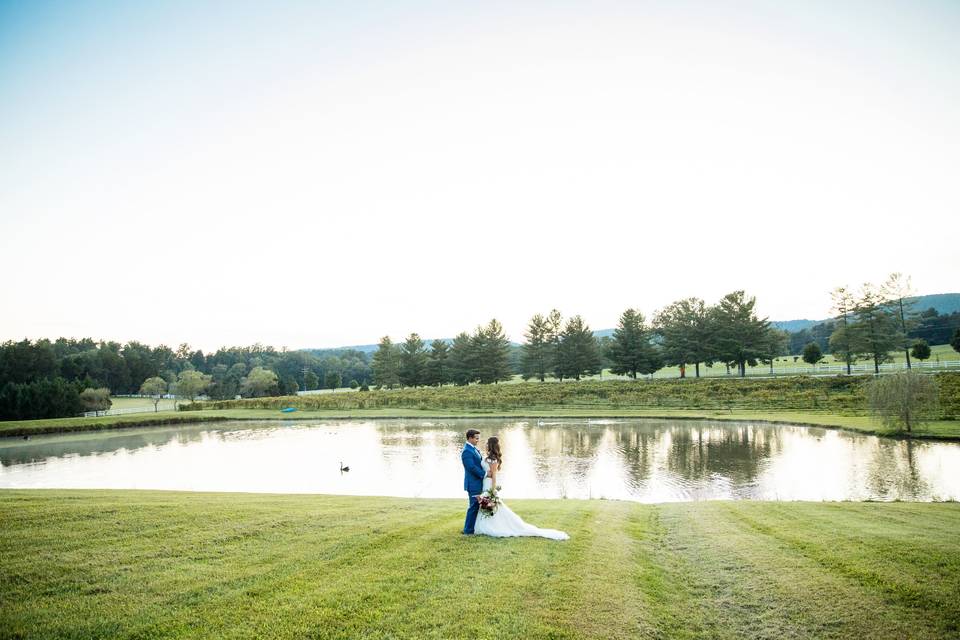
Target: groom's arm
{"points": [[472, 465]]}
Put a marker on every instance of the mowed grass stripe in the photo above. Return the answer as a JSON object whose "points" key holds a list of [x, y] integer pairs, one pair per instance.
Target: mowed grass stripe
{"points": [[155, 564], [897, 569], [787, 591]]}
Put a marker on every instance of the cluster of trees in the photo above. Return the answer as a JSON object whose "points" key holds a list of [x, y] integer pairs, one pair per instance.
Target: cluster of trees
{"points": [[45, 379], [481, 357], [686, 332], [875, 321]]}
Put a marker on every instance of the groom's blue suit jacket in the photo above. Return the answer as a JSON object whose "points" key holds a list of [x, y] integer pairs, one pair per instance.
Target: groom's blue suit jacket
{"points": [[473, 472]]}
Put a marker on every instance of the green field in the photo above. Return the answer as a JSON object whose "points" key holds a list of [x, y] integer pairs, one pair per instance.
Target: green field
{"points": [[127, 564], [785, 365]]}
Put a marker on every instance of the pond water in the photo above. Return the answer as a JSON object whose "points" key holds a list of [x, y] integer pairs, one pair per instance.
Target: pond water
{"points": [[642, 460]]}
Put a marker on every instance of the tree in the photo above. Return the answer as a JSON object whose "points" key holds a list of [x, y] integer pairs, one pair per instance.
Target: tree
{"points": [[741, 336], [413, 362], [686, 334], [537, 352], [154, 387], [191, 384], [876, 330], [288, 386], [492, 353], [96, 400], [554, 337], [897, 290], [438, 372], [775, 345], [259, 382], [579, 350], [812, 354], [920, 350], [386, 364], [310, 380], [630, 351], [843, 339], [462, 360], [903, 399], [333, 380], [955, 341]]}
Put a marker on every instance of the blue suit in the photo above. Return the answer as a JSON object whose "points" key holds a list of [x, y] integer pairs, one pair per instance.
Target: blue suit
{"points": [[473, 474]]}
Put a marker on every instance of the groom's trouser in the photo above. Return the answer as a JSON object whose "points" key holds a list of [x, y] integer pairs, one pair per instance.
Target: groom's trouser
{"points": [[473, 508]]}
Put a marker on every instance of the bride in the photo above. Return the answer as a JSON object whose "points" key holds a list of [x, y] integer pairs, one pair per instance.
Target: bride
{"points": [[504, 522]]}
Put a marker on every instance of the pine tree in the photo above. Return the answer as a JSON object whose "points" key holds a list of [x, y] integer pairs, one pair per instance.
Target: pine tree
{"points": [[438, 371], [537, 352], [630, 350], [413, 362], [493, 353], [687, 334], [386, 364], [876, 329], [742, 337], [842, 340], [555, 340], [579, 350], [462, 360]]}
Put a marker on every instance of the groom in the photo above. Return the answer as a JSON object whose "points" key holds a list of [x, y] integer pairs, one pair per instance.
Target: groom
{"points": [[472, 478]]}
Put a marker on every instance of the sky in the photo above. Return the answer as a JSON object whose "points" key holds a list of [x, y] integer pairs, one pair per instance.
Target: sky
{"points": [[307, 174]]}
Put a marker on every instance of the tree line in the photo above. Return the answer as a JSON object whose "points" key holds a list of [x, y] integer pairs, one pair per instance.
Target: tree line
{"points": [[687, 333], [46, 379]]}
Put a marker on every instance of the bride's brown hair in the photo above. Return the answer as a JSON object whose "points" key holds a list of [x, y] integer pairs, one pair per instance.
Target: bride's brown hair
{"points": [[493, 450]]}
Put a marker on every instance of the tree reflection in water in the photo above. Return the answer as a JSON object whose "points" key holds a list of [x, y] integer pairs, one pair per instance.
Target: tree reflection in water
{"points": [[644, 460]]}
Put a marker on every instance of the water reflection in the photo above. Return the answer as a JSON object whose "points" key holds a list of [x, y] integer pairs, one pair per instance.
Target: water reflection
{"points": [[642, 460]]}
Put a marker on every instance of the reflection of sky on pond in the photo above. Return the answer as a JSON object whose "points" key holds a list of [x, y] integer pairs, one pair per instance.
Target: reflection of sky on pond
{"points": [[642, 460]]}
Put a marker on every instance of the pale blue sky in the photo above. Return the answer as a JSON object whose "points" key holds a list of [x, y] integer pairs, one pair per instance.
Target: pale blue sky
{"points": [[317, 174]]}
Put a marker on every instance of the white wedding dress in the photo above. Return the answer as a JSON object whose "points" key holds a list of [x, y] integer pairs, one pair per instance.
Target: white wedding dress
{"points": [[505, 523]]}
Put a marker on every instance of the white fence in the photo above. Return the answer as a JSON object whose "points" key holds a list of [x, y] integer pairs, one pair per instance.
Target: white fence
{"points": [[117, 412]]}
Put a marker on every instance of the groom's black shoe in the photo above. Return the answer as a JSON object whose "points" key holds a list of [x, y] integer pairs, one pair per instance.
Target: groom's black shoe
{"points": [[466, 533]]}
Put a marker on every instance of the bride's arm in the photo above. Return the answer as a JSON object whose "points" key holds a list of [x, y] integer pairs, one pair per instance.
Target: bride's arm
{"points": [[493, 472]]}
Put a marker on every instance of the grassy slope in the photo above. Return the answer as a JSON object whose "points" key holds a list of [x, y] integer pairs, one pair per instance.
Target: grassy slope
{"points": [[157, 564]]}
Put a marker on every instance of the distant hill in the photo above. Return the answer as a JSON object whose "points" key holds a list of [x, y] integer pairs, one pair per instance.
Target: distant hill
{"points": [[944, 303]]}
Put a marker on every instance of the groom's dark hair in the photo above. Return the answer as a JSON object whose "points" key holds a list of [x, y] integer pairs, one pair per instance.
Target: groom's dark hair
{"points": [[471, 433]]}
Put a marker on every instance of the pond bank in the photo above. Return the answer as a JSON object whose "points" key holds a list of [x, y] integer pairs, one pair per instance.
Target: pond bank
{"points": [[168, 564]]}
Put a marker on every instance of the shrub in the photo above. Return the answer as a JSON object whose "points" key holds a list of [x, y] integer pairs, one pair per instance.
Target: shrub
{"points": [[904, 400]]}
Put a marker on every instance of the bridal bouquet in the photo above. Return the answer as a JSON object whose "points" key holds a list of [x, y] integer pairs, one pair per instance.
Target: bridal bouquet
{"points": [[489, 501]]}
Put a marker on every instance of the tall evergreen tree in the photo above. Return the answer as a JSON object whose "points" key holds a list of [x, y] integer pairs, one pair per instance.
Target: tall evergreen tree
{"points": [[493, 353], [579, 349], [898, 291], [462, 360], [843, 339], [741, 336], [386, 364], [876, 329], [538, 351], [554, 338], [413, 362], [630, 350], [687, 334], [438, 370]]}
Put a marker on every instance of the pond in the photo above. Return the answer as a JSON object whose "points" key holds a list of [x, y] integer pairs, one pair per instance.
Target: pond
{"points": [[641, 460]]}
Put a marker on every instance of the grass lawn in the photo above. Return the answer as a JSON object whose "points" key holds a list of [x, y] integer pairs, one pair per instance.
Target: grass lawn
{"points": [[128, 564]]}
